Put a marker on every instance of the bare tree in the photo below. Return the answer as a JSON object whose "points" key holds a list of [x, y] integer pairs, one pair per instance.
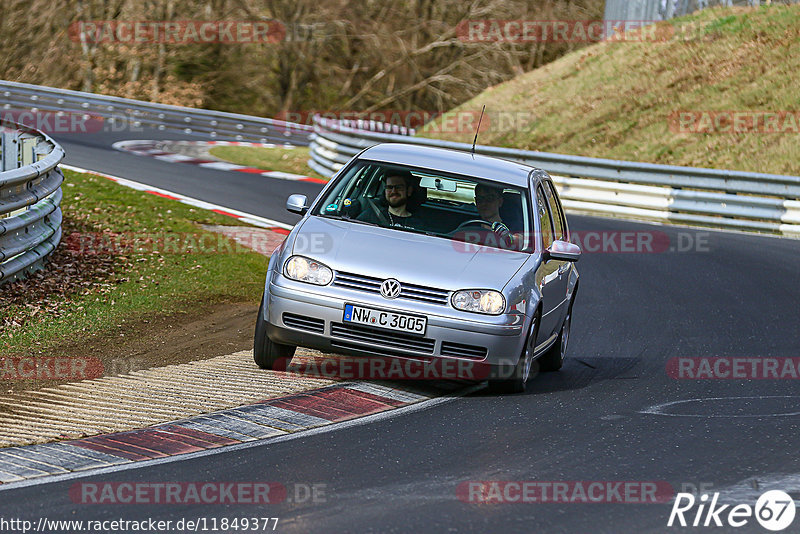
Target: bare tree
{"points": [[336, 54]]}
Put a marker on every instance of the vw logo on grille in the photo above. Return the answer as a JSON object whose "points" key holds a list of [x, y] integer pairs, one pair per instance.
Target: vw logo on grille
{"points": [[390, 289]]}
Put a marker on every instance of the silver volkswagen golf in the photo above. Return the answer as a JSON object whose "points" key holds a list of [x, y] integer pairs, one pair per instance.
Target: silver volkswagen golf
{"points": [[426, 254]]}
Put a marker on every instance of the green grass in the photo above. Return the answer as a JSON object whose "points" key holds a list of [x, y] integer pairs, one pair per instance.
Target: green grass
{"points": [[730, 24], [145, 283], [615, 99], [292, 160]]}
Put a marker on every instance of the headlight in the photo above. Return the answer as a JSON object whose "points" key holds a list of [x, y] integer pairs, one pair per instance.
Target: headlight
{"points": [[306, 270], [479, 301]]}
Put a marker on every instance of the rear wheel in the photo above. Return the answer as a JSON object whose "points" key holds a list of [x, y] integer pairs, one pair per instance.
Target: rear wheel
{"points": [[553, 359], [265, 351], [513, 380]]}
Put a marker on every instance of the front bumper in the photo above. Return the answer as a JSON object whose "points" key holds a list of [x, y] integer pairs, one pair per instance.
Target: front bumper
{"points": [[311, 316]]}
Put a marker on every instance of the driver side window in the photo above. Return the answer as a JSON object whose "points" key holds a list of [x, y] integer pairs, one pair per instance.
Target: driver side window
{"points": [[544, 216], [555, 211]]}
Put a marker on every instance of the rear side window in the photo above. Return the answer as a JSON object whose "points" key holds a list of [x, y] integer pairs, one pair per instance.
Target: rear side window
{"points": [[555, 211], [544, 216]]}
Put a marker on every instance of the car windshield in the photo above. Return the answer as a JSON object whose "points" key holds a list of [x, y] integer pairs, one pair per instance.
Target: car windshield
{"points": [[448, 206]]}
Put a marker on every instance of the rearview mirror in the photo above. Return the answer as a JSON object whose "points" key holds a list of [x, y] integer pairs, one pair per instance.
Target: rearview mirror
{"points": [[297, 204], [562, 250], [438, 184]]}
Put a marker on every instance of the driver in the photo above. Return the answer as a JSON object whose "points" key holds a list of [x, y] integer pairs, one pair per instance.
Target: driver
{"points": [[398, 188], [488, 200]]}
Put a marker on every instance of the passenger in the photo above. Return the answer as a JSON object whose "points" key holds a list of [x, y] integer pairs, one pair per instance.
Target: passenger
{"points": [[399, 186]]}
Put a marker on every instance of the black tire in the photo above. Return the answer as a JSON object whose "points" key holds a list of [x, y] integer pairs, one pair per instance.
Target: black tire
{"points": [[265, 351], [513, 380], [553, 359]]}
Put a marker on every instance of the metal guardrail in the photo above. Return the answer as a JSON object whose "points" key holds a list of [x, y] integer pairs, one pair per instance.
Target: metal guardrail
{"points": [[685, 195], [652, 10], [125, 112], [375, 126], [30, 196], [666, 193]]}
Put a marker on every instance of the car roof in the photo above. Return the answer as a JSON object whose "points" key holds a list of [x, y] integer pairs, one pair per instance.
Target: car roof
{"points": [[451, 161]]}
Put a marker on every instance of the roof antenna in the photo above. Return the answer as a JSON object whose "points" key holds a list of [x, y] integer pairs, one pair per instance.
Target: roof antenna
{"points": [[478, 129]]}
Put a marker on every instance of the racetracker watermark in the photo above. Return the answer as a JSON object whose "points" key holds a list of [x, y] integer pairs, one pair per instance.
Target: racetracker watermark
{"points": [[191, 524], [774, 510], [177, 493], [464, 121], [150, 493], [733, 368], [50, 368], [735, 122], [380, 368], [177, 32], [59, 122], [580, 491], [243, 241], [590, 241], [563, 31]]}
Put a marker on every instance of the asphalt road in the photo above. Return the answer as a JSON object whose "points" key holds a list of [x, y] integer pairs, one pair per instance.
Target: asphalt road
{"points": [[730, 295], [254, 194]]}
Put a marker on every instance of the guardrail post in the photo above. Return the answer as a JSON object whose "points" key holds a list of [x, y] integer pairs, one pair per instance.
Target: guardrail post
{"points": [[9, 150], [27, 149], [42, 149]]}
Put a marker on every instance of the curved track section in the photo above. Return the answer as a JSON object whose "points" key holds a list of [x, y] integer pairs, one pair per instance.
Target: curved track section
{"points": [[256, 194], [607, 416]]}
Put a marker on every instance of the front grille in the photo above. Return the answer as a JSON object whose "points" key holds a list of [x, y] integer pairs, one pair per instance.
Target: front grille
{"points": [[371, 284], [346, 346], [389, 340], [304, 323], [463, 351]]}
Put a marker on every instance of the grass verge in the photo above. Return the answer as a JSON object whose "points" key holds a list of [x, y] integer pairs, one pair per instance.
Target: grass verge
{"points": [[291, 160], [125, 256]]}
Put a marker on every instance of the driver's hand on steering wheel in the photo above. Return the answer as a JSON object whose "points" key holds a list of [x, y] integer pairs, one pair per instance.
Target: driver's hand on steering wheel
{"points": [[502, 231]]}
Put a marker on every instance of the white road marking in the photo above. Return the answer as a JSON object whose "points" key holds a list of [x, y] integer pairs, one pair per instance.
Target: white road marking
{"points": [[172, 158], [659, 409], [221, 166], [255, 220]]}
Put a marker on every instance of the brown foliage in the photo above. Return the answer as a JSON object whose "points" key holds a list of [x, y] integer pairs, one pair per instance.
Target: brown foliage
{"points": [[336, 54]]}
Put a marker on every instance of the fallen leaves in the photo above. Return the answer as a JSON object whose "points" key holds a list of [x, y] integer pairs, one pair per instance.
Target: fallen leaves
{"points": [[50, 292]]}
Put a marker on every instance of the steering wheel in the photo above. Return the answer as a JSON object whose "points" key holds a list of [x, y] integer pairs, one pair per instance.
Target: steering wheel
{"points": [[471, 222], [381, 217]]}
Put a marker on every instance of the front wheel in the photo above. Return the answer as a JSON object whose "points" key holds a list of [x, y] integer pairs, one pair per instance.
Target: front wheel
{"points": [[265, 351], [553, 359], [515, 380]]}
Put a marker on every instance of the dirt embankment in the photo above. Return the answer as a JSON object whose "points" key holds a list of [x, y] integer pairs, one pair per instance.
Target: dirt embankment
{"points": [[208, 331]]}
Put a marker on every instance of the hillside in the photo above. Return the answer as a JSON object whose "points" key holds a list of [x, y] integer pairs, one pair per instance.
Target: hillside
{"points": [[622, 99]]}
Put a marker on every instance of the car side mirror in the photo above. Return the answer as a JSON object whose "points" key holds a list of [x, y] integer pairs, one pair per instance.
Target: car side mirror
{"points": [[297, 204], [562, 250]]}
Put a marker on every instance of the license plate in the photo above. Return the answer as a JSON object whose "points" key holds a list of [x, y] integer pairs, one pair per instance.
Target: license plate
{"points": [[388, 320]]}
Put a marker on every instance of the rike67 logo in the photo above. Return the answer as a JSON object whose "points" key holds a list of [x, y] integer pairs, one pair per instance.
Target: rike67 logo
{"points": [[774, 510]]}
